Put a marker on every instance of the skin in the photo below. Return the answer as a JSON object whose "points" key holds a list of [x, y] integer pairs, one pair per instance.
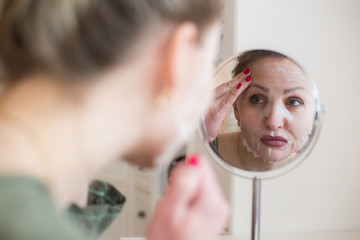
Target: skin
{"points": [[224, 97], [65, 134], [279, 102]]}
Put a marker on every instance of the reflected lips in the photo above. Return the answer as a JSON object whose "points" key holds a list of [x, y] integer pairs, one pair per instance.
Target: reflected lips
{"points": [[273, 141]]}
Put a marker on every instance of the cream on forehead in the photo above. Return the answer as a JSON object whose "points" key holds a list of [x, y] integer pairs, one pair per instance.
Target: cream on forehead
{"points": [[293, 70], [280, 67], [285, 67]]}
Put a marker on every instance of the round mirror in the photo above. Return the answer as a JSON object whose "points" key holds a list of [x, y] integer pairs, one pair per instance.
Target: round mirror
{"points": [[265, 117]]}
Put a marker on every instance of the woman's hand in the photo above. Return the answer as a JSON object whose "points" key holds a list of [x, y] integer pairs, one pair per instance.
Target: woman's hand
{"points": [[225, 95], [192, 207]]}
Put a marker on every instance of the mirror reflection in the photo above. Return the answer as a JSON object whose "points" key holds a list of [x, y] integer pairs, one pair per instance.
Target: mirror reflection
{"points": [[264, 111]]}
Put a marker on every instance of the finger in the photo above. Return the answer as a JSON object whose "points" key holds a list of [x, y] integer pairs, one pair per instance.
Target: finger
{"points": [[189, 191], [229, 99], [232, 84], [185, 183], [195, 190], [209, 188], [209, 202]]}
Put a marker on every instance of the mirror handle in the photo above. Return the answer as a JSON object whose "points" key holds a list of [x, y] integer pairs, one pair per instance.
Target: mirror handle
{"points": [[255, 224]]}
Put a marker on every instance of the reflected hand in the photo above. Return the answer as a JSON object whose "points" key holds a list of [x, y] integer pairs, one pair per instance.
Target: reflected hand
{"points": [[193, 206], [224, 97]]}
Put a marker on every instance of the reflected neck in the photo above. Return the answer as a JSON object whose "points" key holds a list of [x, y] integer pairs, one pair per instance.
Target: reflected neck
{"points": [[232, 149]]}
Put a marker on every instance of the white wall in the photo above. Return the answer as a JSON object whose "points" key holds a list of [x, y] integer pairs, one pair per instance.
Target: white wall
{"points": [[322, 194], [324, 36]]}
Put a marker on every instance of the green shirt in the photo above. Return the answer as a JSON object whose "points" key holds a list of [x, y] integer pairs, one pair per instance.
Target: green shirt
{"points": [[27, 212]]}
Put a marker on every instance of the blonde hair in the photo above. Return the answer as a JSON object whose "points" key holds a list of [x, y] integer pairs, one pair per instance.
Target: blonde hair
{"points": [[80, 37]]}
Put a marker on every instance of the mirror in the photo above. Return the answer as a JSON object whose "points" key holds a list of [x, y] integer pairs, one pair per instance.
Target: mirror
{"points": [[264, 119], [267, 124]]}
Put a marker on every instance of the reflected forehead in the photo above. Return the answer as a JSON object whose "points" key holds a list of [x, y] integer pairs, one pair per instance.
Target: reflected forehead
{"points": [[280, 68], [267, 90], [282, 65], [281, 74]]}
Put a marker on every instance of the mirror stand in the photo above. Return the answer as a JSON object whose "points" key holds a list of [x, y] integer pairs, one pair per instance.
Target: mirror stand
{"points": [[255, 224], [249, 85]]}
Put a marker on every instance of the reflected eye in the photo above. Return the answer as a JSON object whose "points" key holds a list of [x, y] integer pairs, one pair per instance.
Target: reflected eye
{"points": [[294, 102], [257, 99]]}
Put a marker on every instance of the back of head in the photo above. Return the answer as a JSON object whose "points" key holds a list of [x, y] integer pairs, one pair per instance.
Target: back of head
{"points": [[82, 37]]}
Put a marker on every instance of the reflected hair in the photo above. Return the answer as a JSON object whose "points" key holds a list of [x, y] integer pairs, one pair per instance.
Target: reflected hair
{"points": [[248, 58], [82, 37]]}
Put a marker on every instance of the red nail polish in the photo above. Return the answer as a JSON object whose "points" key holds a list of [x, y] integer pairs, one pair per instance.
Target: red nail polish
{"points": [[239, 86], [247, 71], [248, 79], [194, 161]]}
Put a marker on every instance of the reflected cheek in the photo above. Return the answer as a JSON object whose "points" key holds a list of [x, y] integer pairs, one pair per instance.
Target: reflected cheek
{"points": [[250, 119], [250, 125], [300, 131]]}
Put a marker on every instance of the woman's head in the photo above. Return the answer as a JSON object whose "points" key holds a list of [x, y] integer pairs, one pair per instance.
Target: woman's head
{"points": [[276, 112], [84, 37], [139, 60]]}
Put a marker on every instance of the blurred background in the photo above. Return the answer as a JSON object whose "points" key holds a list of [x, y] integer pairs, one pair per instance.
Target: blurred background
{"points": [[323, 193]]}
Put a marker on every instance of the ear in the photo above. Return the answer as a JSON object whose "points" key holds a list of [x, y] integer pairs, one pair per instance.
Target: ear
{"points": [[236, 111], [180, 50]]}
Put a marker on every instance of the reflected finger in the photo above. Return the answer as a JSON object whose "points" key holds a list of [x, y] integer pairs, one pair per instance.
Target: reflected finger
{"points": [[228, 99], [232, 84]]}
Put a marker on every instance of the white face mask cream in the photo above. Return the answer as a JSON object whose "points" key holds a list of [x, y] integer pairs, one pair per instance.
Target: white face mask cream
{"points": [[275, 114]]}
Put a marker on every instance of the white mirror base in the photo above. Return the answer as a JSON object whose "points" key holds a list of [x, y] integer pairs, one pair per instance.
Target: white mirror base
{"points": [[343, 235]]}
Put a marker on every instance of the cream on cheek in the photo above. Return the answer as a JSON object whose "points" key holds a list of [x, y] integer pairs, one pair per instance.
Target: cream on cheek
{"points": [[187, 106], [303, 118], [258, 122], [183, 116], [301, 127], [275, 118], [198, 91], [296, 131]]}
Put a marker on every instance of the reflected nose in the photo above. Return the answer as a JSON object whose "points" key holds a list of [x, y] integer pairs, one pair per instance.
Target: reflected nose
{"points": [[276, 118]]}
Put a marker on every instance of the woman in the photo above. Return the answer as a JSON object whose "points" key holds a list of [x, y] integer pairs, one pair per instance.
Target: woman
{"points": [[89, 82], [275, 112]]}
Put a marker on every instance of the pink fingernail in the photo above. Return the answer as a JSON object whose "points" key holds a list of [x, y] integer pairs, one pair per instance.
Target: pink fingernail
{"points": [[248, 78], [247, 71], [194, 161], [239, 86]]}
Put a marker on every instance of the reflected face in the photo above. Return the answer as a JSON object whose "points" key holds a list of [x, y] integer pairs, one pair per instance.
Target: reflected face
{"points": [[277, 111]]}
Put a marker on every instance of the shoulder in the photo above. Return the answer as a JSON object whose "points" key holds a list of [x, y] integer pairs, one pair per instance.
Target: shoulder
{"points": [[228, 147], [27, 212]]}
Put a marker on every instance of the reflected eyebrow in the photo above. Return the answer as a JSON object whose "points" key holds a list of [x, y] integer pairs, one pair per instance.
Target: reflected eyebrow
{"points": [[293, 89], [260, 87]]}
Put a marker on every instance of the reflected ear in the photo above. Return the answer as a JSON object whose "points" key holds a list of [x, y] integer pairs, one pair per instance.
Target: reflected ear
{"points": [[180, 50], [236, 112]]}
